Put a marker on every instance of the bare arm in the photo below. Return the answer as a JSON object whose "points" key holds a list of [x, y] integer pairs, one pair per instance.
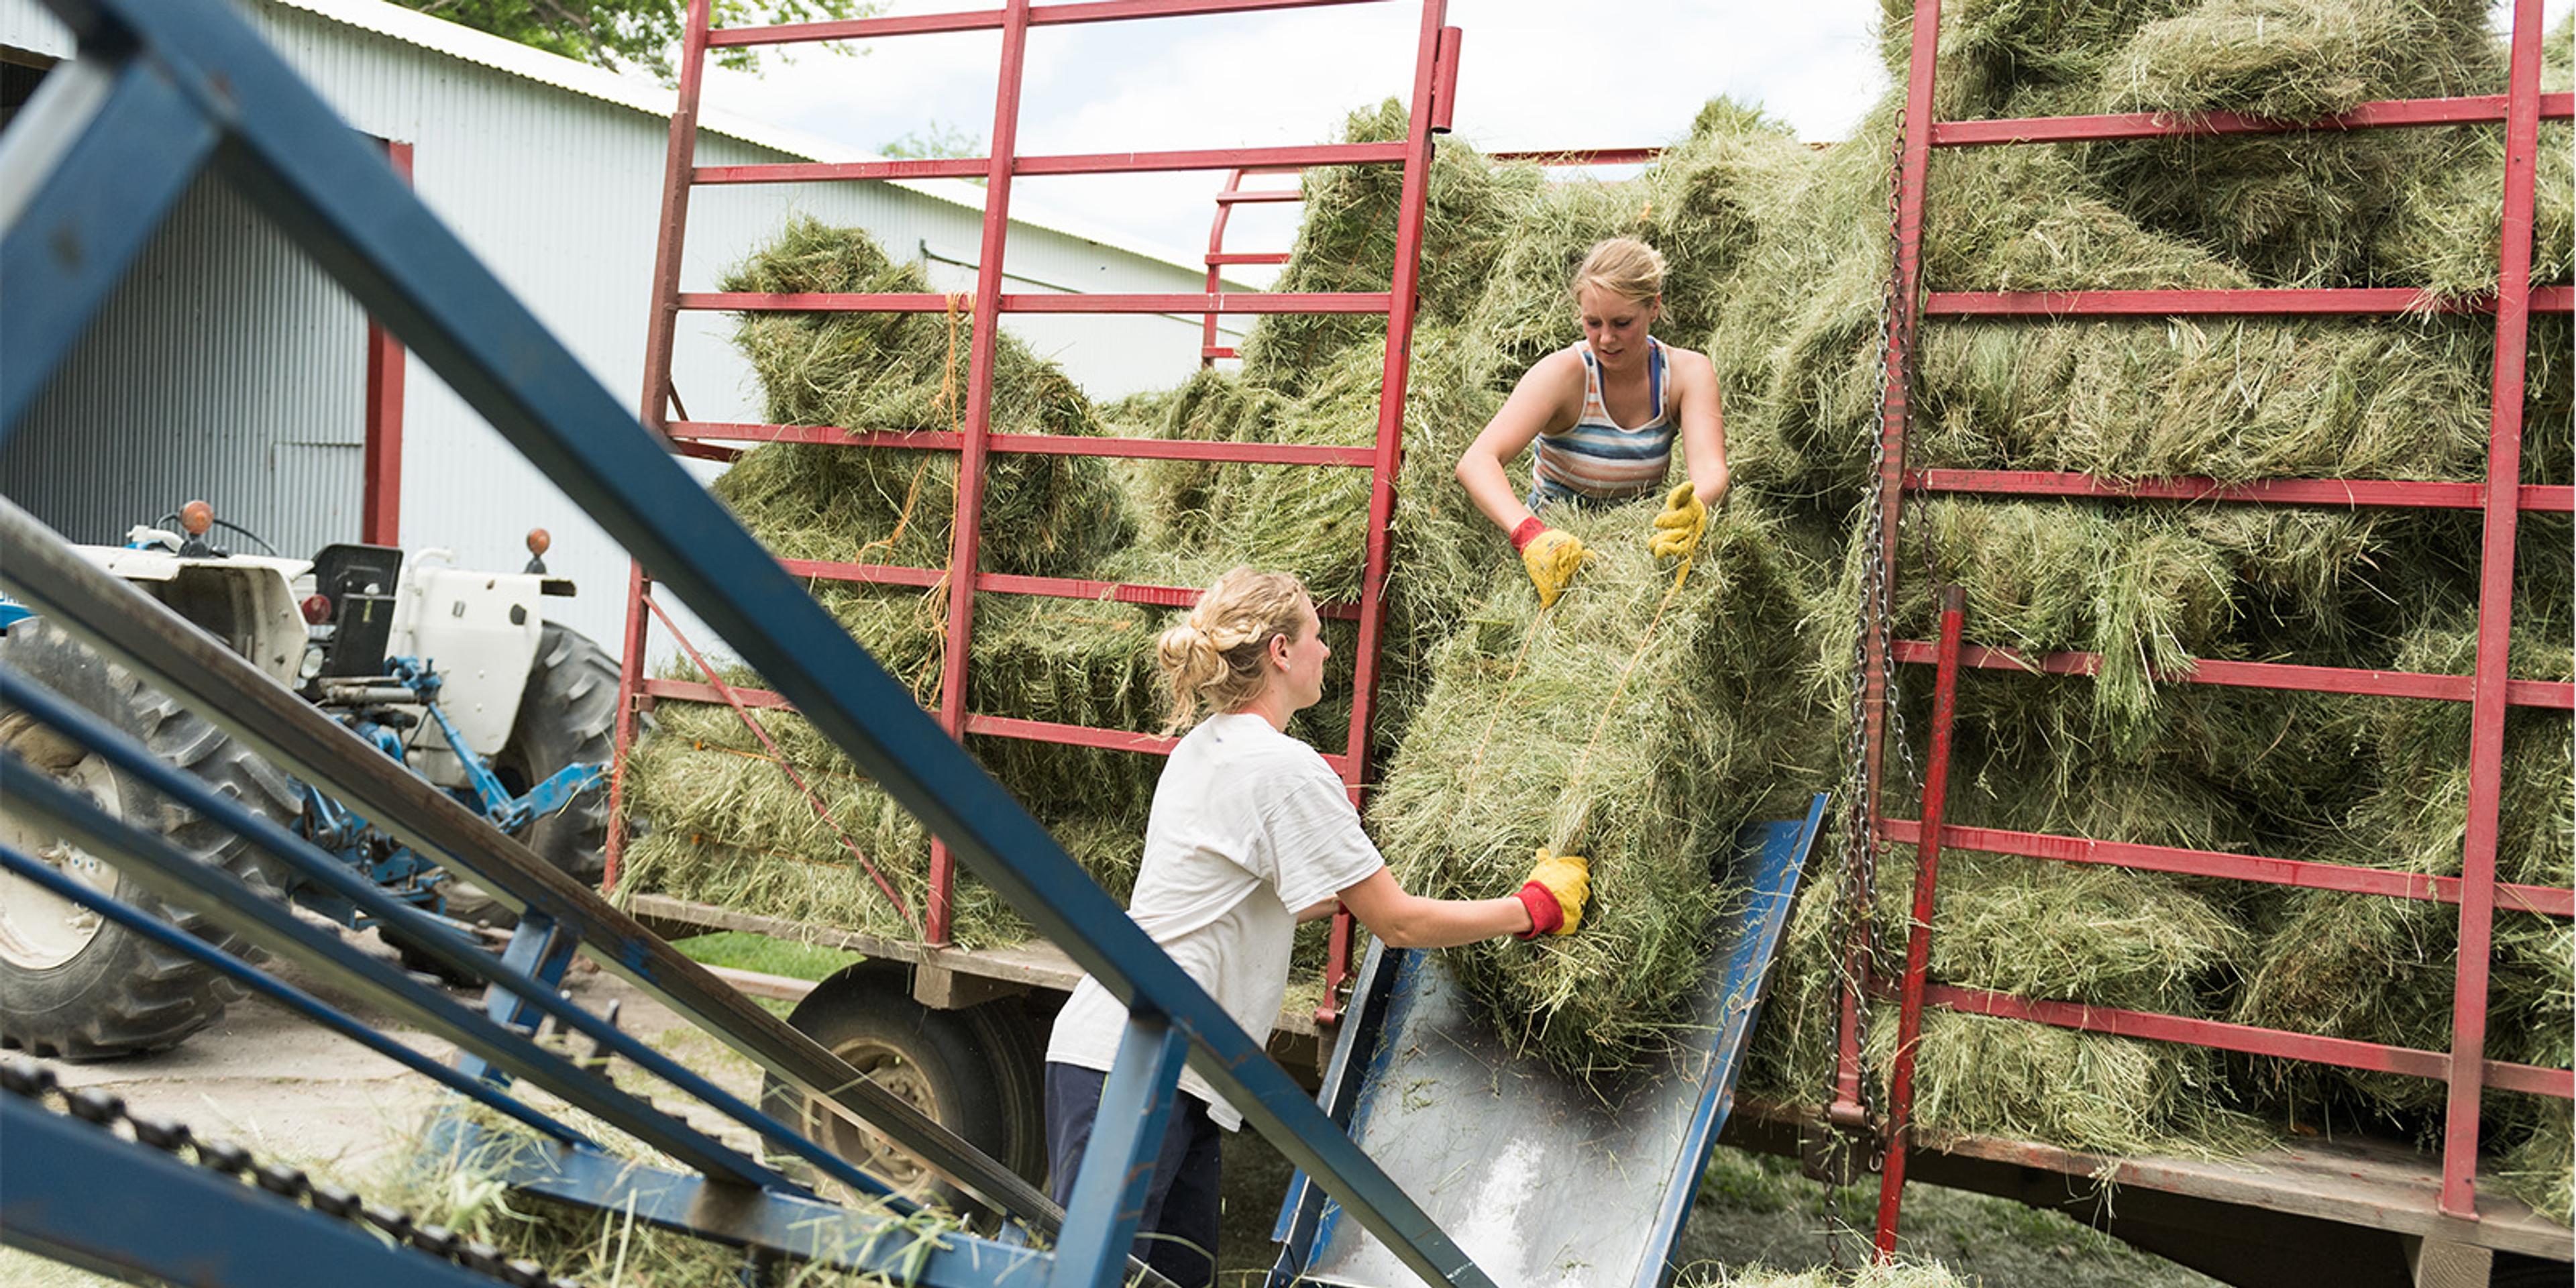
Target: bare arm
{"points": [[1549, 396], [1703, 427], [1401, 920]]}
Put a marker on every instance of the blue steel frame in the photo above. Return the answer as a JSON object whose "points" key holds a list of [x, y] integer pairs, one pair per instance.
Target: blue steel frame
{"points": [[63, 1180], [166, 87], [1363, 1074]]}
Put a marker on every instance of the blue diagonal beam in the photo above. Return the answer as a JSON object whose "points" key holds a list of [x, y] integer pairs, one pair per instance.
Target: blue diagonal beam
{"points": [[87, 172], [423, 932], [1136, 1104], [30, 869], [313, 178], [174, 875], [165, 648]]}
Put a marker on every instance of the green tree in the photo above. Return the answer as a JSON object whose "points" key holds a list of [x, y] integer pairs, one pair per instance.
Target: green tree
{"points": [[934, 140], [634, 33]]}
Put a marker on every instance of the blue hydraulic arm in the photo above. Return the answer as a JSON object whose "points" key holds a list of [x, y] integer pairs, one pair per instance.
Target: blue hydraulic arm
{"points": [[283, 149]]}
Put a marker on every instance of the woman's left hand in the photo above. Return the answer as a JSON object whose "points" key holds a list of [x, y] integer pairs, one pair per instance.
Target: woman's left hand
{"points": [[1679, 526]]}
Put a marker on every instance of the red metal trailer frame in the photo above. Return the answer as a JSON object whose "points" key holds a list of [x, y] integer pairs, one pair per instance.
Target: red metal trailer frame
{"points": [[1235, 194], [2500, 499], [1434, 82]]}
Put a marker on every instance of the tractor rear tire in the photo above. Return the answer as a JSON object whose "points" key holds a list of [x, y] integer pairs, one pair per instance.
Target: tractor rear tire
{"points": [[567, 716], [976, 1072], [76, 987]]}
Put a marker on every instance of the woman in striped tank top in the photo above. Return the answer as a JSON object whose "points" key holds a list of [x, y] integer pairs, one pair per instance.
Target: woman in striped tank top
{"points": [[1604, 413]]}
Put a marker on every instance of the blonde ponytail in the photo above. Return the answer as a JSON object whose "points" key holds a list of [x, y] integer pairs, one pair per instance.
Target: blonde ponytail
{"points": [[1212, 660]]}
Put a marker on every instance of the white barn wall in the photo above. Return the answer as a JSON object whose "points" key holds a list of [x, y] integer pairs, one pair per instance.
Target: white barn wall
{"points": [[558, 192]]}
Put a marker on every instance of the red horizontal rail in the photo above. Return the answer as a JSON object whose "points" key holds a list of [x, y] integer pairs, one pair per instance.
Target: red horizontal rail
{"points": [[1209, 302], [2301, 873], [694, 691], [994, 726], [1218, 351], [1078, 735], [1580, 156], [1154, 449], [2469, 110], [1241, 196], [2341, 492], [868, 574], [991, 19], [1075, 163], [2554, 694], [2250, 1039], [1124, 592], [2275, 302], [1247, 257], [1086, 736]]}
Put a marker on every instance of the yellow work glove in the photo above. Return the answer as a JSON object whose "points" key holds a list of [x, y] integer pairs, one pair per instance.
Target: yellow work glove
{"points": [[1555, 892], [1678, 528], [1552, 557]]}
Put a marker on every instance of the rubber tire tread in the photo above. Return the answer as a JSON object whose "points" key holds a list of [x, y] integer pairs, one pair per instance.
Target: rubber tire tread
{"points": [[567, 715], [124, 994], [979, 1071]]}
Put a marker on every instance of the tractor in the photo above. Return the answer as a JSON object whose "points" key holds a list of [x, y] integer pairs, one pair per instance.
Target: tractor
{"points": [[455, 673]]}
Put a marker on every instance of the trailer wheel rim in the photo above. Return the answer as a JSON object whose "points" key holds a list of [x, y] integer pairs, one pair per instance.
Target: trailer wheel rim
{"points": [[893, 1069], [41, 930]]}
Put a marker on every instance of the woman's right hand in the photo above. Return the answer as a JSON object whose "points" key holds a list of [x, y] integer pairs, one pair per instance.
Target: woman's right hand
{"points": [[1552, 557]]}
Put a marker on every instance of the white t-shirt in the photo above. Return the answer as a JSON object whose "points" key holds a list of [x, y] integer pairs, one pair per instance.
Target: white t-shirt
{"points": [[1249, 826]]}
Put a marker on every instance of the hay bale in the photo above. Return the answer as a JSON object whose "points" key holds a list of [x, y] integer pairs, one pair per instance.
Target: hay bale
{"points": [[2445, 233], [2296, 209], [1872, 1275], [903, 373], [1346, 242], [1539, 733]]}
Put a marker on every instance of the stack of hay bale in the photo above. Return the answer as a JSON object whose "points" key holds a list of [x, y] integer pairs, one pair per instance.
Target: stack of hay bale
{"points": [[2368, 782], [1640, 722], [721, 822]]}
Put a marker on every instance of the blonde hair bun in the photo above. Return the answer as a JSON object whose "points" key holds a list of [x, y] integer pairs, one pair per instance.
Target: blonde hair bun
{"points": [[1212, 659]]}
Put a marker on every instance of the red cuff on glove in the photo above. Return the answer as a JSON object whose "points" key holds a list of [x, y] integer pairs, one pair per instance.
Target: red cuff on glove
{"points": [[1546, 918], [1527, 532]]}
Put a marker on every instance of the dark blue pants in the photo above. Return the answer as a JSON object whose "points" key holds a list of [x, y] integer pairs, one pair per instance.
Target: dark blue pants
{"points": [[1177, 1236]]}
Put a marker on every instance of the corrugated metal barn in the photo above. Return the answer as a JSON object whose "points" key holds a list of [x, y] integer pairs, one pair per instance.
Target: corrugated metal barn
{"points": [[227, 367]]}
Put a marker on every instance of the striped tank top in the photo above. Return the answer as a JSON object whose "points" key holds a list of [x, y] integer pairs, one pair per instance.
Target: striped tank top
{"points": [[1594, 460]]}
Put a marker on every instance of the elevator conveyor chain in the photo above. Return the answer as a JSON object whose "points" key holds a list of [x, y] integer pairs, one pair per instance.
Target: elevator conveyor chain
{"points": [[36, 1083]]}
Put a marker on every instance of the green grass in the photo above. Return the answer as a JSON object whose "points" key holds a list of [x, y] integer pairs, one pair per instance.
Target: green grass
{"points": [[742, 950]]}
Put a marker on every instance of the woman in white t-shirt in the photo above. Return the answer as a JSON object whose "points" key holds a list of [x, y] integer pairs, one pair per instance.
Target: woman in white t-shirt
{"points": [[1251, 833]]}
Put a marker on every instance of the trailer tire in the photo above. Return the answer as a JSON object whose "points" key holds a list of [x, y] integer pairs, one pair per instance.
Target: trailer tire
{"points": [[975, 1072], [95, 991]]}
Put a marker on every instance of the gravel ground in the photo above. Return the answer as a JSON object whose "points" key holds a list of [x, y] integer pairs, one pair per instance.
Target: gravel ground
{"points": [[294, 1093]]}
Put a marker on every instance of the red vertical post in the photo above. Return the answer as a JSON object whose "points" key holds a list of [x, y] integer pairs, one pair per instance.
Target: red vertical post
{"points": [[1216, 247], [1895, 413], [2495, 620], [380, 505], [630, 696], [660, 328], [1918, 937], [1401, 307], [987, 325], [677, 164]]}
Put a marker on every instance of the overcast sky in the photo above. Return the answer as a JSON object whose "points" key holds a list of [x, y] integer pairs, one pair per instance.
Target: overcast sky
{"points": [[1533, 74]]}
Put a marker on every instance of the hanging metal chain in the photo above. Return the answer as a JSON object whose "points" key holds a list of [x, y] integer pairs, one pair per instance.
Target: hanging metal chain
{"points": [[1855, 923], [108, 1113]]}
